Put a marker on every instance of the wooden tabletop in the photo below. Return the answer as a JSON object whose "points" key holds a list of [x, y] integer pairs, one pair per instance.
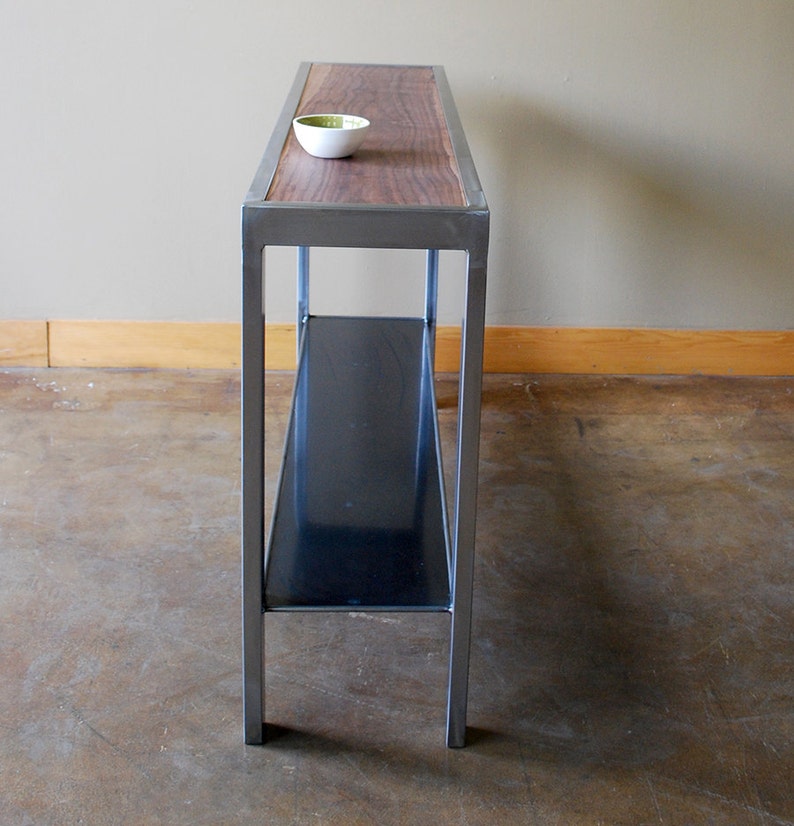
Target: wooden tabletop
{"points": [[406, 158]]}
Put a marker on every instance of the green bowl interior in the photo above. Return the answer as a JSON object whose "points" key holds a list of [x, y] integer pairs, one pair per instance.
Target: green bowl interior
{"points": [[333, 121]]}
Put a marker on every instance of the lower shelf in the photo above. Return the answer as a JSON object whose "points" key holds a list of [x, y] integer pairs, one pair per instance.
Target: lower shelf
{"points": [[360, 518]]}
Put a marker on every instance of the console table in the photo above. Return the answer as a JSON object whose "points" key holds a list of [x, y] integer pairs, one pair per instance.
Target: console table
{"points": [[360, 521]]}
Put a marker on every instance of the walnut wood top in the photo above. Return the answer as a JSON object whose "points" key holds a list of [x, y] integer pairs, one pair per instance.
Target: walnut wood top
{"points": [[406, 158]]}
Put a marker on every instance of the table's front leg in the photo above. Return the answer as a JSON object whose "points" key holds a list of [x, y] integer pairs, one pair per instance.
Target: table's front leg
{"points": [[253, 444], [464, 523]]}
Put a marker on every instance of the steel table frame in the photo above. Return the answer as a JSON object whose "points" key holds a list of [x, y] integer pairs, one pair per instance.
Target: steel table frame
{"points": [[303, 225]]}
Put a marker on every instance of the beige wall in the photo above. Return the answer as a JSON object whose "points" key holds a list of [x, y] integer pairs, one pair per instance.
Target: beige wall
{"points": [[637, 154]]}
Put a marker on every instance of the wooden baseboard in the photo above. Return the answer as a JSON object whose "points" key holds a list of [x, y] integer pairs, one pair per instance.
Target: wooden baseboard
{"points": [[640, 351], [23, 344], [629, 351], [157, 344], [626, 351]]}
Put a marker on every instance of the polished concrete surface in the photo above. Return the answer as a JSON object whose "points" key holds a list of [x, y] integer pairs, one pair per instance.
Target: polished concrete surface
{"points": [[633, 642]]}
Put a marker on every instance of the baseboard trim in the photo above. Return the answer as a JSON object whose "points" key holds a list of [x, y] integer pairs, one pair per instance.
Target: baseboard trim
{"points": [[155, 344], [23, 343], [640, 351], [632, 351]]}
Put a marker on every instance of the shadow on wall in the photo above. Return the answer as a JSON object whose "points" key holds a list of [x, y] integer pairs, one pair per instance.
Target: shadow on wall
{"points": [[610, 231]]}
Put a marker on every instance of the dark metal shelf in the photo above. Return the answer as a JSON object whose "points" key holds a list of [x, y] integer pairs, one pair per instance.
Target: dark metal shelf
{"points": [[360, 517]]}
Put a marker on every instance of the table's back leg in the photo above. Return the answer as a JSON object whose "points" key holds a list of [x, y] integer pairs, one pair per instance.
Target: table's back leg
{"points": [[431, 299], [303, 296], [464, 523]]}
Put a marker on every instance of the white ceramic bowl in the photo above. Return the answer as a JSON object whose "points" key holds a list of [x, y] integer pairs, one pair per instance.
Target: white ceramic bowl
{"points": [[330, 136]]}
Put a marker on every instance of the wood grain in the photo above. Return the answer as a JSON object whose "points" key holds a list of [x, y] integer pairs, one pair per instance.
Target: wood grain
{"points": [[23, 343], [406, 158], [640, 351], [157, 344], [601, 351], [163, 344], [626, 351]]}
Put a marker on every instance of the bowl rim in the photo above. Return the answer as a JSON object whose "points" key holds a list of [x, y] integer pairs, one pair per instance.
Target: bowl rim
{"points": [[364, 122]]}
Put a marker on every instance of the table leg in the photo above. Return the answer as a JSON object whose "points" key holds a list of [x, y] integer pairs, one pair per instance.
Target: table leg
{"points": [[303, 295], [466, 500], [431, 298], [252, 426]]}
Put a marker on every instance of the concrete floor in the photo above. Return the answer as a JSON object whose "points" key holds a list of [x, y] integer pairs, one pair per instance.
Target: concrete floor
{"points": [[633, 647]]}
